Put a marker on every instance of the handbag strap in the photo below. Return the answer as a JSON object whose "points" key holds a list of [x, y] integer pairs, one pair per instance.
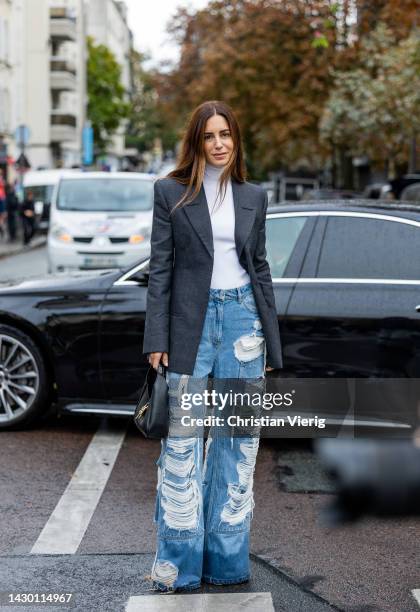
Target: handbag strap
{"points": [[162, 369], [151, 371], [146, 382]]}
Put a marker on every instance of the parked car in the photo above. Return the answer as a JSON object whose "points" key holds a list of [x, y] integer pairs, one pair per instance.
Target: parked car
{"points": [[399, 184], [346, 278], [378, 191], [100, 220], [411, 193], [42, 183]]}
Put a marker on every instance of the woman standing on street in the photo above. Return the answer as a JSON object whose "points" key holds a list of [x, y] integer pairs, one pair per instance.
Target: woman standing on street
{"points": [[210, 311]]}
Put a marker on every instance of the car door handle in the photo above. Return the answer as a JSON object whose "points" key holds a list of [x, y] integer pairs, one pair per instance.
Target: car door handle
{"points": [[418, 308]]}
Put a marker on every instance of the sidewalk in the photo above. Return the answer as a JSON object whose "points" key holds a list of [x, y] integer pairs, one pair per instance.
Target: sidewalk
{"points": [[8, 249]]}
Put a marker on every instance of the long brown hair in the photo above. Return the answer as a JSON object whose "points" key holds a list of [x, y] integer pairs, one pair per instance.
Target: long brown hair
{"points": [[192, 161]]}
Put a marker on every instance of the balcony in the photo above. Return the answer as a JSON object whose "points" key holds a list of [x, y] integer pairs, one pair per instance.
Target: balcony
{"points": [[62, 75], [62, 24], [63, 126]]}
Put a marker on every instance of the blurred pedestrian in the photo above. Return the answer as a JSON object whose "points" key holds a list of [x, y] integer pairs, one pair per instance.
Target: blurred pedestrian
{"points": [[27, 212], [12, 208], [2, 205]]}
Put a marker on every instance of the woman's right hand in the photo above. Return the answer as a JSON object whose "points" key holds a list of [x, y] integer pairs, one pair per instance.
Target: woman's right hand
{"points": [[155, 358]]}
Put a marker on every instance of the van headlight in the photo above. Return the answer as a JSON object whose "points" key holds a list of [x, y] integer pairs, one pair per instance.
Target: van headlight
{"points": [[60, 233], [141, 236]]}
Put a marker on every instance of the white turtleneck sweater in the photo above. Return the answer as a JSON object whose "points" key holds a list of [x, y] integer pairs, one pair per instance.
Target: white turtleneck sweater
{"points": [[227, 271]]}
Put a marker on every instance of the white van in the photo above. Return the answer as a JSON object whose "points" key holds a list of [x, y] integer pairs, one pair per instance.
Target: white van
{"points": [[42, 183], [100, 220]]}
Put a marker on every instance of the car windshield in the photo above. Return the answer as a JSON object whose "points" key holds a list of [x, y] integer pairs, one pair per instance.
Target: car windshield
{"points": [[105, 194]]}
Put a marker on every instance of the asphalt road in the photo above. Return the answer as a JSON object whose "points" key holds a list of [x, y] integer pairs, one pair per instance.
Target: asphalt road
{"points": [[26, 264], [77, 498]]}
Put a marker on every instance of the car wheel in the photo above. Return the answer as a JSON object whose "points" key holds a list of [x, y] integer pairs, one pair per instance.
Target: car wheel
{"points": [[23, 379]]}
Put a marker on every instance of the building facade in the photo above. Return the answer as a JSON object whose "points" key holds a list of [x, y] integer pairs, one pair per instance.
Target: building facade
{"points": [[6, 81], [68, 85], [46, 79], [43, 77]]}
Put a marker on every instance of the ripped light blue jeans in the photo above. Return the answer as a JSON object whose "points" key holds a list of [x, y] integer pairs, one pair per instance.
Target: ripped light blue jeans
{"points": [[204, 505]]}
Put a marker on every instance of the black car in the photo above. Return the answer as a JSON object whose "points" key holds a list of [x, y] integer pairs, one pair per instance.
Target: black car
{"points": [[411, 193], [399, 184], [346, 277]]}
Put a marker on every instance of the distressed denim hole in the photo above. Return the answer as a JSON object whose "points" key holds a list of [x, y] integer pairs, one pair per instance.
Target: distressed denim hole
{"points": [[164, 572], [237, 512], [250, 346], [180, 494]]}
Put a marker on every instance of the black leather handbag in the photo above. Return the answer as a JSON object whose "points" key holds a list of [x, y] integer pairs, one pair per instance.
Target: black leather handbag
{"points": [[152, 412]]}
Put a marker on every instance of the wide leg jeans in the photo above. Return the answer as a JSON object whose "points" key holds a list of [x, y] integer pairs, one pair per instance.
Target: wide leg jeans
{"points": [[204, 507]]}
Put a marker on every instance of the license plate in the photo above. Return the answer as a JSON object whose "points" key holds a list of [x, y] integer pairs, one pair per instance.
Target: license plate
{"points": [[97, 262]]}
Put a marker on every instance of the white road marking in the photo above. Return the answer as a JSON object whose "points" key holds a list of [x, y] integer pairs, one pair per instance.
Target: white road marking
{"points": [[66, 526], [206, 602], [416, 595]]}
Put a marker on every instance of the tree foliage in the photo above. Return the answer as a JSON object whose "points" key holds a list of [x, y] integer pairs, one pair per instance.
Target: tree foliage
{"points": [[146, 123], [400, 16], [260, 57], [107, 104], [373, 108], [302, 75]]}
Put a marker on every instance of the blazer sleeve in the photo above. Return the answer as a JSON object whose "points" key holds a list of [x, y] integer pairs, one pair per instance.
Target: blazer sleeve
{"points": [[261, 265], [156, 330]]}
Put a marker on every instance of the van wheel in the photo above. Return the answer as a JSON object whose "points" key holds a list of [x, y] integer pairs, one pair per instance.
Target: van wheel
{"points": [[23, 380]]}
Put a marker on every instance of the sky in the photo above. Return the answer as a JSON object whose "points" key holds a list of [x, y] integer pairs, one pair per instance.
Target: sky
{"points": [[148, 20]]}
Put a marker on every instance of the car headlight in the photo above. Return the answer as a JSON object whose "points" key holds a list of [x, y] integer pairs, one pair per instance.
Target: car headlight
{"points": [[141, 236], [60, 233]]}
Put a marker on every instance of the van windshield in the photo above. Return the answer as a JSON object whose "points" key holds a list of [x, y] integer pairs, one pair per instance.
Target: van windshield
{"points": [[105, 194]]}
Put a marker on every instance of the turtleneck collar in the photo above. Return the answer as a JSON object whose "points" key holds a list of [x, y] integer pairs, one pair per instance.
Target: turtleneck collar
{"points": [[213, 172]]}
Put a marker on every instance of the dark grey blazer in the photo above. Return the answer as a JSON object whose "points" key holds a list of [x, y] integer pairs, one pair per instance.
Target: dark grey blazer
{"points": [[181, 266]]}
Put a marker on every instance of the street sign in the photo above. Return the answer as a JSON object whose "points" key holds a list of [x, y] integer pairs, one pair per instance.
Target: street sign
{"points": [[22, 163], [22, 135], [88, 144]]}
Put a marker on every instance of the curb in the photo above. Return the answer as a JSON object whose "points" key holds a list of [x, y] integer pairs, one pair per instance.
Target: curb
{"points": [[273, 566]]}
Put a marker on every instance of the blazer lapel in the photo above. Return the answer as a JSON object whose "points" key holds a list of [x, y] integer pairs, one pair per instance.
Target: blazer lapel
{"points": [[245, 208], [198, 213]]}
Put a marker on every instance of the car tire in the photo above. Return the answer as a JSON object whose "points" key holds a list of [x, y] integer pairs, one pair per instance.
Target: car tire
{"points": [[24, 384]]}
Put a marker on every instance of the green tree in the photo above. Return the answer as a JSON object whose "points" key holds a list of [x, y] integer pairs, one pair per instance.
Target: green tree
{"points": [[146, 122], [107, 103], [373, 109]]}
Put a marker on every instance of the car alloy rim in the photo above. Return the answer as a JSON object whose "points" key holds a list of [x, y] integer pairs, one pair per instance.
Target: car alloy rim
{"points": [[19, 378]]}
